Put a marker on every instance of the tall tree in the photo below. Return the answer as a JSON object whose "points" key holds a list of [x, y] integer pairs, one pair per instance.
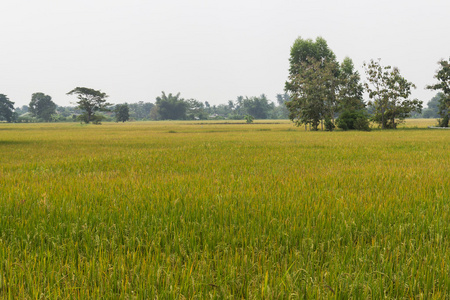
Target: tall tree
{"points": [[303, 50], [350, 98], [313, 93], [171, 107], [122, 112], [312, 82], [90, 101], [6, 109], [443, 85], [42, 106], [389, 91]]}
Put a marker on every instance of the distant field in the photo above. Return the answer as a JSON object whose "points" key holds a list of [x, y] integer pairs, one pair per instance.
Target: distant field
{"points": [[201, 210]]}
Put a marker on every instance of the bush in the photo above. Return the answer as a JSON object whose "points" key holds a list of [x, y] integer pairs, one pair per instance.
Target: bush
{"points": [[329, 125], [353, 120], [362, 123], [443, 122]]}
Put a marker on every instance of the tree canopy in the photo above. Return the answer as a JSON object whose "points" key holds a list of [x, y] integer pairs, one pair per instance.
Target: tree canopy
{"points": [[6, 109], [171, 107], [90, 101], [443, 85], [313, 92], [42, 106], [389, 92], [122, 112]]}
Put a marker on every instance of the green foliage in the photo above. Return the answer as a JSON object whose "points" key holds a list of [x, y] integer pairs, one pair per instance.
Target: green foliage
{"points": [[122, 112], [42, 106], [171, 107], [389, 92], [329, 125], [444, 121], [443, 85], [249, 119], [6, 109], [319, 87], [433, 107], [94, 119], [281, 111], [90, 101], [196, 110], [302, 51], [313, 92], [353, 120], [350, 95], [258, 107], [140, 110]]}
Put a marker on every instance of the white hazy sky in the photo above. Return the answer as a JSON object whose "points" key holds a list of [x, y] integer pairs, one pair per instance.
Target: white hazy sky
{"points": [[205, 49]]}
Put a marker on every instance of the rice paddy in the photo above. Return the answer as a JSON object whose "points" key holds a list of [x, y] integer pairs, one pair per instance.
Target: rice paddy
{"points": [[189, 210]]}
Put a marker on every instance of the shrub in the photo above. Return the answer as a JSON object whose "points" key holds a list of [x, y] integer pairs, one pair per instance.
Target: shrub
{"points": [[356, 120], [329, 125]]}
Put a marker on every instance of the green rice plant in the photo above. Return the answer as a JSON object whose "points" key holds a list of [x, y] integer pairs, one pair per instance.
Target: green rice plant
{"points": [[221, 211]]}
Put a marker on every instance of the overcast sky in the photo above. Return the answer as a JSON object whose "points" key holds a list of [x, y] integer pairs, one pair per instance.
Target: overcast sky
{"points": [[205, 49]]}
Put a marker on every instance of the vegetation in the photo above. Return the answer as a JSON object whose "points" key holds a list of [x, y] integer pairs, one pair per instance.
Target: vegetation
{"points": [[433, 109], [389, 91], [312, 83], [321, 89], [443, 76], [171, 107], [6, 109], [222, 211], [122, 112], [90, 102], [42, 107], [351, 106]]}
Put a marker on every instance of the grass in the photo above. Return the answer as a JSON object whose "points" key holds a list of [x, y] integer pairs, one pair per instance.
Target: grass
{"points": [[229, 211]]}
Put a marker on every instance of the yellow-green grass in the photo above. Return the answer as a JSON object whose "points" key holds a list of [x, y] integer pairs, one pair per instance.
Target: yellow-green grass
{"points": [[203, 210]]}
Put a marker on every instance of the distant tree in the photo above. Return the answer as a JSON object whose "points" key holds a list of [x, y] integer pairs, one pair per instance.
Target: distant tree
{"points": [[90, 101], [140, 110], [171, 107], [42, 106], [196, 110], [443, 85], [22, 110], [433, 107], [281, 111], [389, 91], [154, 114], [6, 109], [122, 112], [258, 107], [230, 104]]}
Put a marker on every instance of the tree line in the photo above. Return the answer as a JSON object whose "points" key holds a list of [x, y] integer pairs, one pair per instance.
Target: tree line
{"points": [[327, 93], [92, 107], [319, 92]]}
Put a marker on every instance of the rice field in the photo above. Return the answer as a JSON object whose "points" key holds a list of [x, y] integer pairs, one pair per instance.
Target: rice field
{"points": [[192, 210]]}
